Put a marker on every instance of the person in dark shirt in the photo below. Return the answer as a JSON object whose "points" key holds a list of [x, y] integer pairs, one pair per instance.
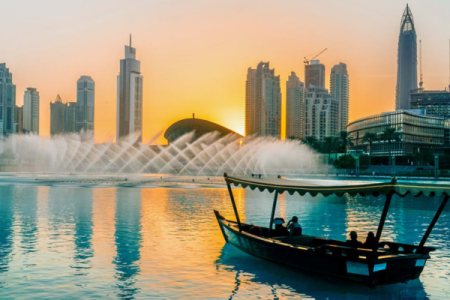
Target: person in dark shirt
{"points": [[353, 242], [370, 241]]}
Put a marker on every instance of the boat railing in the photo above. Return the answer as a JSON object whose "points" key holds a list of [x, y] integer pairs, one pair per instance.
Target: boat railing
{"points": [[399, 248], [350, 252]]}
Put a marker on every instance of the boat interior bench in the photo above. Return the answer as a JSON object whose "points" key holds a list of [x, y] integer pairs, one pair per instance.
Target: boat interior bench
{"points": [[304, 240]]}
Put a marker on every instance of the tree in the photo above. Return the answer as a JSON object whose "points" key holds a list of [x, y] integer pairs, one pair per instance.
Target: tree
{"points": [[370, 137], [312, 142], [345, 140], [346, 161], [328, 146], [389, 135]]}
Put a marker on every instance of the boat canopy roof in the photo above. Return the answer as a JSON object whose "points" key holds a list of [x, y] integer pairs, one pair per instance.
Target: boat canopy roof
{"points": [[339, 187]]}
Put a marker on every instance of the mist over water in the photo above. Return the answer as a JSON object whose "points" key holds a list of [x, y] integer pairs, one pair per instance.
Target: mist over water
{"points": [[209, 155]]}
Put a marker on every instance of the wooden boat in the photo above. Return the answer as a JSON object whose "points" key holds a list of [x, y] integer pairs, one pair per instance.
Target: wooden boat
{"points": [[385, 263]]}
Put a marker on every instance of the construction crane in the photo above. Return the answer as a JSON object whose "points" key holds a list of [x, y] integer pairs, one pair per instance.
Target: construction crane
{"points": [[306, 61], [420, 57]]}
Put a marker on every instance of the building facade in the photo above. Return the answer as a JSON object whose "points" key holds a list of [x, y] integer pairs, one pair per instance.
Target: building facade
{"points": [[339, 90], [129, 96], [70, 117], [263, 102], [7, 102], [85, 104], [321, 113], [295, 107], [406, 61], [30, 111], [415, 132], [57, 116], [18, 119], [315, 74], [435, 103]]}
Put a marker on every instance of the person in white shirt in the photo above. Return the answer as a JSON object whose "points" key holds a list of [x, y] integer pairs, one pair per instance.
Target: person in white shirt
{"points": [[294, 227]]}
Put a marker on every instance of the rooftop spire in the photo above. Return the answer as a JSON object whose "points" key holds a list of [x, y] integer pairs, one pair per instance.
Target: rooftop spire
{"points": [[407, 23]]}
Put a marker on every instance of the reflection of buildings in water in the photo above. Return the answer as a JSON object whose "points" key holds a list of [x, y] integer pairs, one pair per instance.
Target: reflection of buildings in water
{"points": [[127, 239], [6, 227], [273, 280], [363, 215], [103, 214], [82, 217], [26, 208]]}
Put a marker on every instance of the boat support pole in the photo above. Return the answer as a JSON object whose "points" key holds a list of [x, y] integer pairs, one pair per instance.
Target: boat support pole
{"points": [[387, 203], [275, 197], [433, 222], [234, 206]]}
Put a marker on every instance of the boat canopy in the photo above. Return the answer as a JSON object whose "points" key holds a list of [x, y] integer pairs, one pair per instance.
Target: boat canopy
{"points": [[338, 187]]}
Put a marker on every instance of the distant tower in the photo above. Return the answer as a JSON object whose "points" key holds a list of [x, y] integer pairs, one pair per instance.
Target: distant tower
{"points": [[263, 102], [85, 107], [7, 102], [57, 116], [406, 61], [30, 116], [339, 90], [129, 96], [315, 74], [295, 107]]}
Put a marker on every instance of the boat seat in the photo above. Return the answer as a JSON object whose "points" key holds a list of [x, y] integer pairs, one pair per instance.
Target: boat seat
{"points": [[304, 240]]}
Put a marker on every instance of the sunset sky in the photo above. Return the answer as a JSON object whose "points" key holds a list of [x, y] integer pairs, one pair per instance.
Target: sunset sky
{"points": [[195, 54]]}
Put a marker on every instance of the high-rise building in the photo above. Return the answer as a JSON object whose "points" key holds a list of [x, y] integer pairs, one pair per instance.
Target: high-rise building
{"points": [[295, 107], [315, 74], [57, 116], [18, 119], [7, 102], [339, 90], [85, 104], [321, 113], [129, 96], [406, 61], [70, 125], [31, 111], [434, 103], [263, 102]]}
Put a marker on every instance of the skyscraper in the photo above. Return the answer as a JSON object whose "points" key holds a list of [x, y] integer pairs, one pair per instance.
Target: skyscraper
{"points": [[129, 96], [406, 61], [7, 101], [30, 111], [18, 119], [315, 74], [85, 107], [70, 120], [339, 89], [295, 103], [263, 102], [57, 116], [321, 113]]}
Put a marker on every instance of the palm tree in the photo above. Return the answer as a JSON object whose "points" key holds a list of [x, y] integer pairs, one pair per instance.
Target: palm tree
{"points": [[390, 135], [346, 140], [328, 146], [370, 137], [312, 142]]}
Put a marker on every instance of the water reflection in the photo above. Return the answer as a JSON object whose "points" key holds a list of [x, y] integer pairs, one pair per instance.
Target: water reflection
{"points": [[26, 207], [277, 281], [6, 228], [82, 217], [127, 240]]}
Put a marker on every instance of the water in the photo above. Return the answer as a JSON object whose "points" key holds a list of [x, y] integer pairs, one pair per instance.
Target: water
{"points": [[209, 155], [142, 243]]}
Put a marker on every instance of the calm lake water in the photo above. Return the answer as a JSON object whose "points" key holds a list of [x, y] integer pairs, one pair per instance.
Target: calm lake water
{"points": [[143, 243]]}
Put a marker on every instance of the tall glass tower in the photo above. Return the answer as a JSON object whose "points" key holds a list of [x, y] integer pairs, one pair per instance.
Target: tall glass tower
{"points": [[129, 96], [7, 101], [406, 61], [85, 104]]}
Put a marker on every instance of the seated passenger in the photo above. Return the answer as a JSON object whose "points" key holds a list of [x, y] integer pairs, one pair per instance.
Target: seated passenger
{"points": [[294, 227], [370, 241], [280, 230], [256, 230], [353, 242]]}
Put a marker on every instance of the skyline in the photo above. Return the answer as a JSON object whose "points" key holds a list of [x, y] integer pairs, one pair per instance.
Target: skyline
{"points": [[193, 68]]}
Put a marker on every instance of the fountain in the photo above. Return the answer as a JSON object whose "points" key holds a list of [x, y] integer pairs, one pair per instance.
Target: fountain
{"points": [[210, 155]]}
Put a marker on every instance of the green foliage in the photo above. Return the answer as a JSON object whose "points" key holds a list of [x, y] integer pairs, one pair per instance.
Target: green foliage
{"points": [[364, 161], [346, 161], [345, 141]]}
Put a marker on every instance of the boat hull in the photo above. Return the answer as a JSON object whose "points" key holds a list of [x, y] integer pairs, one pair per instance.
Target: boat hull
{"points": [[369, 272]]}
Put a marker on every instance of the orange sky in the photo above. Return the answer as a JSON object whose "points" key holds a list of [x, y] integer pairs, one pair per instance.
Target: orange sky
{"points": [[195, 54]]}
